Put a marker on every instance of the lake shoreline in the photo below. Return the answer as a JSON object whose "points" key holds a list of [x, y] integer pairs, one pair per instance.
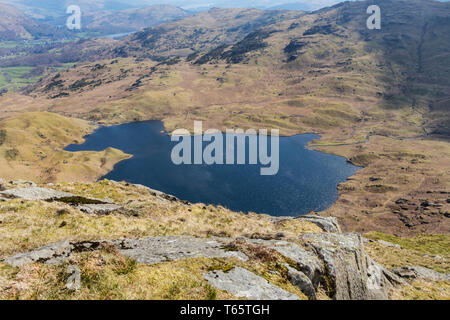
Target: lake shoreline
{"points": [[284, 189]]}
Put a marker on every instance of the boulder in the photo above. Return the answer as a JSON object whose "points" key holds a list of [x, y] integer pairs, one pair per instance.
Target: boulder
{"points": [[349, 274], [244, 284], [55, 253], [24, 183]]}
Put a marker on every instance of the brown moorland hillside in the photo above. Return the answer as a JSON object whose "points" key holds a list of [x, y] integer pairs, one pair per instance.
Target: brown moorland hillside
{"points": [[377, 97]]}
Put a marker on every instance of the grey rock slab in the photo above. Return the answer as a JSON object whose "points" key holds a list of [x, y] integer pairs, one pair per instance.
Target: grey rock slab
{"points": [[388, 244], [34, 193], [245, 284], [328, 224], [54, 253], [413, 272], [149, 250], [154, 250]]}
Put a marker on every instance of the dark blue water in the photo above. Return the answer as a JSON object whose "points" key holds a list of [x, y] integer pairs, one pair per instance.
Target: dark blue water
{"points": [[307, 180]]}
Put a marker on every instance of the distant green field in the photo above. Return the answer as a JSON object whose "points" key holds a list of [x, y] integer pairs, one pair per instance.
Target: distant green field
{"points": [[8, 44], [12, 78], [15, 78], [22, 43]]}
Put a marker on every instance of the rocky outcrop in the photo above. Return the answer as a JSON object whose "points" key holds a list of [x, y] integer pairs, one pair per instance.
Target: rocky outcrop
{"points": [[245, 284], [161, 195], [348, 272], [306, 261], [330, 261], [328, 224]]}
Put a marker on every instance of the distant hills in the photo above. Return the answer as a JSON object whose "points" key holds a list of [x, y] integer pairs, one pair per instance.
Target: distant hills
{"points": [[200, 33], [327, 54], [51, 9], [292, 6], [132, 19], [15, 25], [403, 65], [28, 23], [128, 20]]}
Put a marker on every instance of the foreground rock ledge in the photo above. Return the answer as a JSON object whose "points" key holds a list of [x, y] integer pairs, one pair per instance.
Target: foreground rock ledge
{"points": [[335, 262]]}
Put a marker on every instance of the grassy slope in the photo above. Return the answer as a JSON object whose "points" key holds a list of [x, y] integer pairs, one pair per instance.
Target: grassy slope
{"points": [[430, 251], [32, 147], [107, 275]]}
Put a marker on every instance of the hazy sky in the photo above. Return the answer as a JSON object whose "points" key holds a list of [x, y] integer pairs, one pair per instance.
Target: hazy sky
{"points": [[185, 4], [188, 4]]}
